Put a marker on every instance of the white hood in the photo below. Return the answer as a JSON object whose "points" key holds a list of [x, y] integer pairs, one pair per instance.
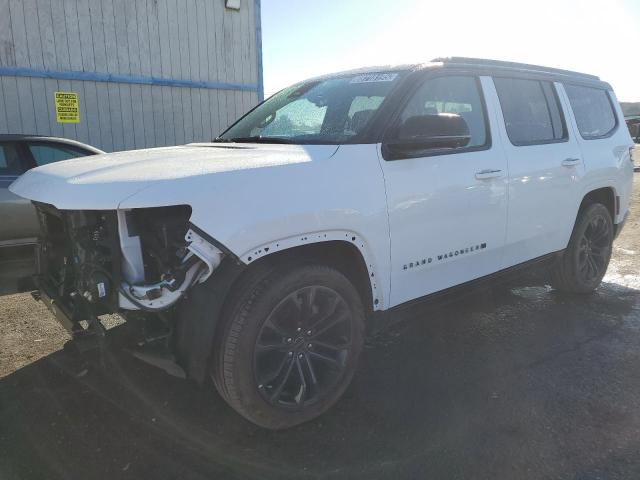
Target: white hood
{"points": [[103, 182]]}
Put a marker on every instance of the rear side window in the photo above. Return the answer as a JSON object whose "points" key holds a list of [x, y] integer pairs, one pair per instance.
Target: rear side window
{"points": [[45, 153], [531, 111], [593, 111], [9, 160]]}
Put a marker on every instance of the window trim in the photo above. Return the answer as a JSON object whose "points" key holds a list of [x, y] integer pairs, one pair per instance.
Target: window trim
{"points": [[488, 143], [565, 129], [613, 130]]}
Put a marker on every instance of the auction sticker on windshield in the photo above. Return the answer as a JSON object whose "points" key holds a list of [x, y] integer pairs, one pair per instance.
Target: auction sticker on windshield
{"points": [[374, 77]]}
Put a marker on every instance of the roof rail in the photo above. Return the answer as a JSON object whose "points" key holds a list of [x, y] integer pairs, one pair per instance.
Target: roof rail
{"points": [[483, 62]]}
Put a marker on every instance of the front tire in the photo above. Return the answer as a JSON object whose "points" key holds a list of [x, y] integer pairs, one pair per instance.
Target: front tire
{"points": [[290, 344], [586, 258]]}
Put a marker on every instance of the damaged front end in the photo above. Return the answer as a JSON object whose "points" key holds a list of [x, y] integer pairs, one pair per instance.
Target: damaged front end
{"points": [[140, 263]]}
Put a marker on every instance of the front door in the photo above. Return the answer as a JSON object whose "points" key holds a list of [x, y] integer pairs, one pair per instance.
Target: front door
{"points": [[447, 206]]}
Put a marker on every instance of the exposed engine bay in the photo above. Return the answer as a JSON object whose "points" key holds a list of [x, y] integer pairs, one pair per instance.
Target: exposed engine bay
{"points": [[96, 262]]}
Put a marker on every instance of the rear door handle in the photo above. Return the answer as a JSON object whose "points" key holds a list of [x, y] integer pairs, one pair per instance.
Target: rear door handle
{"points": [[488, 173], [570, 162]]}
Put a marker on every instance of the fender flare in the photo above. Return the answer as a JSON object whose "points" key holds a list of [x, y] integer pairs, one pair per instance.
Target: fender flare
{"points": [[597, 185], [310, 238]]}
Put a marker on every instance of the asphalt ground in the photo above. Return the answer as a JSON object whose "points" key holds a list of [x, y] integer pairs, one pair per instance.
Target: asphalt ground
{"points": [[511, 382]]}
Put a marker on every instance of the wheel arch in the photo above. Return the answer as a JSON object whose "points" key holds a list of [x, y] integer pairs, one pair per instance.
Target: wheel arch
{"points": [[598, 192], [604, 195], [199, 316], [344, 250]]}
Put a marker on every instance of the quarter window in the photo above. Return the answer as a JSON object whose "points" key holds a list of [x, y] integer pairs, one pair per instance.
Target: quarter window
{"points": [[531, 111], [593, 111], [457, 95]]}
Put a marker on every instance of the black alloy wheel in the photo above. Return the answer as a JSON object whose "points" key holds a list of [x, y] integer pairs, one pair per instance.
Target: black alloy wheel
{"points": [[594, 249], [303, 347], [582, 265], [290, 342]]}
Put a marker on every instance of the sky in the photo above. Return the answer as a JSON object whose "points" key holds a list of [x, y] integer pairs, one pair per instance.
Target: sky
{"points": [[304, 38]]}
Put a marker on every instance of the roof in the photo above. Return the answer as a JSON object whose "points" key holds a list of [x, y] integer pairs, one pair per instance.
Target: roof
{"points": [[14, 137], [481, 65], [370, 69], [521, 67]]}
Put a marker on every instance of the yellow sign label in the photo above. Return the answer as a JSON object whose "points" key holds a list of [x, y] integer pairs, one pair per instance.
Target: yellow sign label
{"points": [[67, 110]]}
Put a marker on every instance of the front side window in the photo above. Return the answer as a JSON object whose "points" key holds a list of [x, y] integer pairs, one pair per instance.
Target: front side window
{"points": [[593, 111], [330, 111], [44, 154], [531, 111], [454, 96]]}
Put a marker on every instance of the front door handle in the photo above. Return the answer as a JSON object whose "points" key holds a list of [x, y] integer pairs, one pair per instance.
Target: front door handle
{"points": [[488, 173], [570, 162]]}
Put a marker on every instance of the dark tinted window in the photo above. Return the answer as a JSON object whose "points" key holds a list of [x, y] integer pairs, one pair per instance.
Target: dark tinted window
{"points": [[9, 160], [592, 109], [531, 111], [46, 153], [454, 95]]}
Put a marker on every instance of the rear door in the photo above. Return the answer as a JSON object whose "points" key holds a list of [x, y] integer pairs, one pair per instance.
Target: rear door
{"points": [[545, 168]]}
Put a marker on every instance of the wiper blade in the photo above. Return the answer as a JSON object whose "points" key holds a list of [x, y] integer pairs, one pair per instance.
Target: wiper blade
{"points": [[255, 139]]}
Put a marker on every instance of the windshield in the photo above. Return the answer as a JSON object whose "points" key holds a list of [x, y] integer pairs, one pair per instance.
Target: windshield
{"points": [[334, 110]]}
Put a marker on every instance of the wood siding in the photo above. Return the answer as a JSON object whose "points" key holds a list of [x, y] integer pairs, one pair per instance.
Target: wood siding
{"points": [[186, 40]]}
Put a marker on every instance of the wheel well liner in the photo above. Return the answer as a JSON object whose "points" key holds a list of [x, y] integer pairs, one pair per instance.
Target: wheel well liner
{"points": [[605, 196]]}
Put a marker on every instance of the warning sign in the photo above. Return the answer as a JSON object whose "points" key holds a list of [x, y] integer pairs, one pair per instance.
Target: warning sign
{"points": [[67, 107]]}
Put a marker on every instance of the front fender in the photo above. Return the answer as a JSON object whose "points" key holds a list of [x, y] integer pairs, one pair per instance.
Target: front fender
{"points": [[254, 212]]}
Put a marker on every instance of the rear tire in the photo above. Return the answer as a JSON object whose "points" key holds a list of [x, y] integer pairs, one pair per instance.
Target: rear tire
{"points": [[290, 344], [584, 262]]}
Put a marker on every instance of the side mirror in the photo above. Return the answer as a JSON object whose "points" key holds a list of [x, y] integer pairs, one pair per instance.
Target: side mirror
{"points": [[420, 134]]}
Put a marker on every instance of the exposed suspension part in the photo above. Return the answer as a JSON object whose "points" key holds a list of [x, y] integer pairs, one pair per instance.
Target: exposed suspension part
{"points": [[161, 257]]}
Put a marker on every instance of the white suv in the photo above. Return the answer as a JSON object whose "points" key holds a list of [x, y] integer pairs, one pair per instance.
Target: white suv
{"points": [[261, 258]]}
